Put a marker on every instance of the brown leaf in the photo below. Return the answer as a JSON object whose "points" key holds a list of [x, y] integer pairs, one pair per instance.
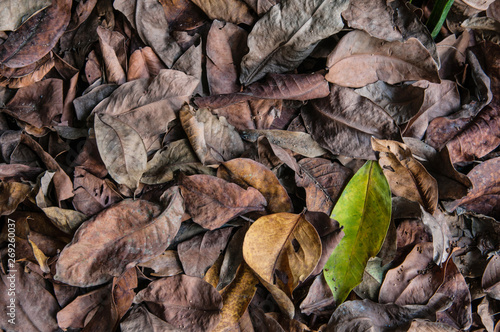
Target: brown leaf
{"points": [[212, 202], [389, 20], [182, 14], [276, 86], [143, 63], [13, 15], [261, 6], [425, 325], [439, 100], [15, 78], [38, 104], [138, 224], [366, 315], [86, 103], [248, 173], [37, 36], [323, 181], [400, 102], [319, 299], [183, 301], [111, 42], [92, 194], [66, 220], [27, 314], [212, 138], [490, 279], [11, 195], [152, 26], [258, 113], [200, 252], [123, 292], [165, 265], [298, 142], [122, 150], [483, 197], [287, 34], [140, 319], [359, 59], [339, 123], [234, 11], [226, 45], [406, 176], [452, 52]]}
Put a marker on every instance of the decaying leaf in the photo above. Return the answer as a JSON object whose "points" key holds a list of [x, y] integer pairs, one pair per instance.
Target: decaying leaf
{"points": [[183, 301], [287, 34], [359, 59], [407, 177], [339, 123], [212, 202], [234, 11], [13, 14], [137, 224], [11, 195], [490, 280], [364, 211]]}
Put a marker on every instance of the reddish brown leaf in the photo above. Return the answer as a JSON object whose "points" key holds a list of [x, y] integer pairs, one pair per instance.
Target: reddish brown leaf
{"points": [[137, 224], [183, 301], [491, 278], [212, 202], [201, 252], [123, 292], [144, 63], [140, 319], [15, 78], [182, 14], [112, 46], [323, 181], [259, 113]]}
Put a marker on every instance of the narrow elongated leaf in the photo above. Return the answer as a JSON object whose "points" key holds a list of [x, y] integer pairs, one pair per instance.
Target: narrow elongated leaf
{"points": [[117, 239], [122, 150], [364, 210], [248, 173], [359, 59], [407, 177], [287, 34]]}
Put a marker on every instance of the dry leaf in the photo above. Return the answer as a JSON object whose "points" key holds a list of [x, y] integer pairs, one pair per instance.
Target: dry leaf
{"points": [[13, 14], [143, 63], [234, 11], [359, 59], [11, 195]]}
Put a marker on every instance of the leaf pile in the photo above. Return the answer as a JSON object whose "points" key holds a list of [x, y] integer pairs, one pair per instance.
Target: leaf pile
{"points": [[243, 165]]}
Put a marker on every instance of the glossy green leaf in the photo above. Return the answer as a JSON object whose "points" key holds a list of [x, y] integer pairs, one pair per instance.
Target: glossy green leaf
{"points": [[364, 211]]}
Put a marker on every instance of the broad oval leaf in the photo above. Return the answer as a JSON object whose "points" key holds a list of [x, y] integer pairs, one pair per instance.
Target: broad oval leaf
{"points": [[212, 202], [282, 249], [121, 148], [249, 173], [287, 34], [122, 236], [407, 177], [14, 12], [183, 301], [364, 210], [359, 59]]}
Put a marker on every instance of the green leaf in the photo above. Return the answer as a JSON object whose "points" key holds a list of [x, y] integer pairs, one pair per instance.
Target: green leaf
{"points": [[438, 15], [364, 210]]}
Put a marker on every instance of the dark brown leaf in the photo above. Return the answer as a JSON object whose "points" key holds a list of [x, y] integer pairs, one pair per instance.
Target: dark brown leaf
{"points": [[234, 11], [11, 195], [137, 224], [182, 14], [212, 202], [183, 301]]}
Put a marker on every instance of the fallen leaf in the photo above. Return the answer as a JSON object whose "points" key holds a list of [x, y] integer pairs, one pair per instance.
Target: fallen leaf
{"points": [[140, 319], [200, 252], [366, 315], [177, 156], [483, 196], [439, 225], [140, 225], [86, 103], [123, 293], [282, 249], [11, 195], [165, 265], [64, 219], [233, 258], [400, 102], [14, 14], [37, 36], [110, 43], [234, 11], [251, 114], [39, 104], [143, 63], [183, 301], [319, 299], [301, 143], [490, 279], [152, 26], [121, 148], [236, 297], [226, 45], [28, 316], [261, 6], [406, 176], [275, 86], [248, 173], [212, 138], [425, 325], [368, 59], [364, 211], [287, 34], [339, 123], [323, 182], [212, 202], [15, 78], [479, 4]]}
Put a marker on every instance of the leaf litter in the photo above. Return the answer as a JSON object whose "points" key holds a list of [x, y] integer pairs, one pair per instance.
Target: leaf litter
{"points": [[249, 165]]}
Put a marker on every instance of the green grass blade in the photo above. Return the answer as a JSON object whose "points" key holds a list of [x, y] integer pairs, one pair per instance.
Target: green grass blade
{"points": [[438, 15]]}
